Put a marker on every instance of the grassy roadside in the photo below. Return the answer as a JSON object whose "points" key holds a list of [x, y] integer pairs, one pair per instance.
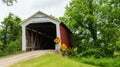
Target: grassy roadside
{"points": [[50, 60], [15, 53], [113, 61]]}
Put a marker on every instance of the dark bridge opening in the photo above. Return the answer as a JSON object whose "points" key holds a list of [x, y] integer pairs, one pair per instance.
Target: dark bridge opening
{"points": [[40, 36]]}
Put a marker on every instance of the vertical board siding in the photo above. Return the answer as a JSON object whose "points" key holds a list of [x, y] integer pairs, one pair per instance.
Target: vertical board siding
{"points": [[65, 38]]}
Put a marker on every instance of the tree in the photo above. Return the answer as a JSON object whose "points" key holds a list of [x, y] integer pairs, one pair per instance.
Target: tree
{"points": [[9, 2], [10, 29], [110, 28], [95, 23]]}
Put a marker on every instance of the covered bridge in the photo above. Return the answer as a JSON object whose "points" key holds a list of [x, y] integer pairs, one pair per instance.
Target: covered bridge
{"points": [[40, 30]]}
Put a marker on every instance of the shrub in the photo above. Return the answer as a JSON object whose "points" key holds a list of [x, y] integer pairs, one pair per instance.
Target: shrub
{"points": [[15, 45], [1, 45], [104, 62], [118, 45], [94, 52], [11, 48], [72, 51]]}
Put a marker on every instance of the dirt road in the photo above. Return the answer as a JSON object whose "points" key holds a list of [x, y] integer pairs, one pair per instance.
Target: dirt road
{"points": [[4, 62]]}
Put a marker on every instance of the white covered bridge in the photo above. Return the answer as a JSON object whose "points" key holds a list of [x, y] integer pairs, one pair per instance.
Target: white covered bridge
{"points": [[40, 30]]}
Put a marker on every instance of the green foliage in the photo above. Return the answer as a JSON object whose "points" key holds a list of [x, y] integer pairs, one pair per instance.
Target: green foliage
{"points": [[72, 51], [10, 29], [95, 52], [9, 2], [11, 48], [104, 62], [10, 35], [15, 45], [118, 45], [1, 45], [95, 24]]}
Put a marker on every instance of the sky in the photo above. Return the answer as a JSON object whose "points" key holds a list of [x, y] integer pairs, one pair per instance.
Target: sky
{"points": [[26, 8]]}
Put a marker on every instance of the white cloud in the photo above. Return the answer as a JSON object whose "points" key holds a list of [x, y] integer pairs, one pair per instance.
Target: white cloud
{"points": [[25, 8]]}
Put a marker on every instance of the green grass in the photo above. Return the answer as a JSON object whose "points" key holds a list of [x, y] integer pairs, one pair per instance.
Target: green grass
{"points": [[50, 60], [113, 61]]}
